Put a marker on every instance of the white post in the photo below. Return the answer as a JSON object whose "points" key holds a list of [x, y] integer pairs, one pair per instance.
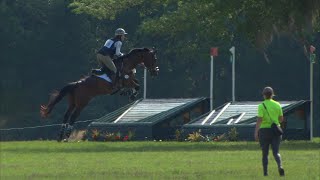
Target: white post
{"points": [[311, 99], [213, 53], [312, 59], [232, 50], [145, 84], [211, 84]]}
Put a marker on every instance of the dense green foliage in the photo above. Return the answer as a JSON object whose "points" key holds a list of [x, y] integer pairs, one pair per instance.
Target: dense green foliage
{"points": [[257, 20], [45, 44], [153, 160]]}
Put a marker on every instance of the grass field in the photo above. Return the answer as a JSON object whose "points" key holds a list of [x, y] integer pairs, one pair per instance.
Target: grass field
{"points": [[154, 160]]}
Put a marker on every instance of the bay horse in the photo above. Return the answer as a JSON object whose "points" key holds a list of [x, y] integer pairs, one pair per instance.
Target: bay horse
{"points": [[79, 93]]}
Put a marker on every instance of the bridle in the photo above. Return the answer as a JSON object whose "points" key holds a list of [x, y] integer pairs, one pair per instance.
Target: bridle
{"points": [[152, 68]]}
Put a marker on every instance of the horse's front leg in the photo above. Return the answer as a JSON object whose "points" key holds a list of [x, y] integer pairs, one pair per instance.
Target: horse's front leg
{"points": [[134, 91], [132, 84]]}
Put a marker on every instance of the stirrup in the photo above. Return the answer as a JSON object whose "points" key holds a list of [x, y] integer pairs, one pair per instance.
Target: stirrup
{"points": [[97, 72]]}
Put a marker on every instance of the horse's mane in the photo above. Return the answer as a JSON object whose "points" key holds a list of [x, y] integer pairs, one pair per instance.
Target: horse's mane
{"points": [[135, 50], [132, 52]]}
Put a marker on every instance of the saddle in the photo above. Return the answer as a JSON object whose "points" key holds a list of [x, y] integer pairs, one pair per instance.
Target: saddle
{"points": [[108, 75], [115, 79]]}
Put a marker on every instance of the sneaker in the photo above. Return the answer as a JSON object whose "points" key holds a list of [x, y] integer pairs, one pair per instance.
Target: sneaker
{"points": [[281, 171], [265, 174]]}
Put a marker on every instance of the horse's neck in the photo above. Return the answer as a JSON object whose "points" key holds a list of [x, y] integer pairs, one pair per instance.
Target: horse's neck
{"points": [[133, 62]]}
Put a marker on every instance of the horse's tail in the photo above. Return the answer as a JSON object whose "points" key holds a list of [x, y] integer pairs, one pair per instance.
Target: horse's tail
{"points": [[56, 97]]}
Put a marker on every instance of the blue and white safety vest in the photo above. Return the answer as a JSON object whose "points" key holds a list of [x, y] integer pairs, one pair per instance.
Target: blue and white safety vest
{"points": [[111, 47]]}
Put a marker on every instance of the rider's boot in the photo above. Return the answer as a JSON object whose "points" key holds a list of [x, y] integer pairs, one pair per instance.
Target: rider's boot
{"points": [[114, 79], [97, 71]]}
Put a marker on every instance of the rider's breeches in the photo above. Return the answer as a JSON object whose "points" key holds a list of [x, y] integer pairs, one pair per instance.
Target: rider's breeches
{"points": [[107, 61]]}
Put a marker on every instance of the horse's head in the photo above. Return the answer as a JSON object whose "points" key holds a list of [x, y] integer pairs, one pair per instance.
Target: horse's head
{"points": [[150, 61], [146, 56]]}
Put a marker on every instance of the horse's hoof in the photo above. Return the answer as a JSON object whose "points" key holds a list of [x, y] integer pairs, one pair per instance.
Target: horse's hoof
{"points": [[65, 140], [132, 98], [59, 139]]}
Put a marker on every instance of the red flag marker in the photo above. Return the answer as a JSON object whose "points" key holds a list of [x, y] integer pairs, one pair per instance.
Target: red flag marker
{"points": [[214, 51]]}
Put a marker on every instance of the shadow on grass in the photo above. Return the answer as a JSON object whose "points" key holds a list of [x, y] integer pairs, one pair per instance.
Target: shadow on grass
{"points": [[85, 147]]}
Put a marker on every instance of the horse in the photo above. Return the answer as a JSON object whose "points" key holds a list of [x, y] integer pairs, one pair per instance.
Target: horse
{"points": [[80, 92]]}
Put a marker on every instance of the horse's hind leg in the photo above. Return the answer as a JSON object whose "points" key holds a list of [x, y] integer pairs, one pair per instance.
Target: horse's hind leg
{"points": [[64, 125], [73, 117]]}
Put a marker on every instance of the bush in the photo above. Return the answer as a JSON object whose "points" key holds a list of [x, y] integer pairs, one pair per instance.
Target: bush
{"points": [[119, 137], [95, 134], [109, 136], [233, 134], [196, 136], [178, 135], [130, 135]]}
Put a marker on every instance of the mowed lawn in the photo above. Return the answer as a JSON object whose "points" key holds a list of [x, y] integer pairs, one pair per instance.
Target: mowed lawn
{"points": [[154, 160]]}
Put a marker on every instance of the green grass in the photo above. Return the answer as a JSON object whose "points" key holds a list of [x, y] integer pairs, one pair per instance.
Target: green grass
{"points": [[154, 160]]}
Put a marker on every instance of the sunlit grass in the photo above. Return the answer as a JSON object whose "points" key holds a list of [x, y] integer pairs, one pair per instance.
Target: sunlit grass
{"points": [[153, 160]]}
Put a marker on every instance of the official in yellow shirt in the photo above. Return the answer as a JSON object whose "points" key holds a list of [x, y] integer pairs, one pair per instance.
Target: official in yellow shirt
{"points": [[269, 111]]}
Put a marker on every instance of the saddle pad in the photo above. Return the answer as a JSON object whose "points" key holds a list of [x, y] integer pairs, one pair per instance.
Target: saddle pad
{"points": [[105, 77]]}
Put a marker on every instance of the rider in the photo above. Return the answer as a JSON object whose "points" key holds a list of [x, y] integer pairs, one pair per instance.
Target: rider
{"points": [[109, 51]]}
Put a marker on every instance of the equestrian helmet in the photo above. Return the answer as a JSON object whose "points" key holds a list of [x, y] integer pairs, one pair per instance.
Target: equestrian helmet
{"points": [[120, 31]]}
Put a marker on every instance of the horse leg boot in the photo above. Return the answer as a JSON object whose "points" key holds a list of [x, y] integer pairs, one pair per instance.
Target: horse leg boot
{"points": [[68, 132], [65, 120], [61, 132], [73, 117], [133, 95]]}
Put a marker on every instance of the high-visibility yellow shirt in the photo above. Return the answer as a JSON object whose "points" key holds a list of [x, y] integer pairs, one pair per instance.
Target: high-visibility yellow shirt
{"points": [[275, 111]]}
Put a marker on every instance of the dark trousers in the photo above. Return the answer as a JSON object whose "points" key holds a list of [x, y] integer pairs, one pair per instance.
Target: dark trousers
{"points": [[266, 138]]}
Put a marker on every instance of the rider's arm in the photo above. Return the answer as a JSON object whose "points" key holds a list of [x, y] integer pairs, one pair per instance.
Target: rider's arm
{"points": [[281, 119], [118, 47]]}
